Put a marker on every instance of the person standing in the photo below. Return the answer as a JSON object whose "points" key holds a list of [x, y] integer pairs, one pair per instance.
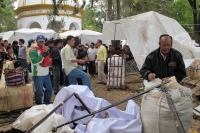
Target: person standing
{"points": [[92, 53], [56, 64], [101, 62], [70, 64], [40, 72], [15, 47], [22, 54]]}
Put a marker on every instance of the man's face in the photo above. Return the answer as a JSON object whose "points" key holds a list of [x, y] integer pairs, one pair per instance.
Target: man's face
{"points": [[14, 45], [5, 44], [59, 45], [165, 45], [20, 43], [98, 43], [51, 45], [91, 45], [40, 44], [71, 42]]}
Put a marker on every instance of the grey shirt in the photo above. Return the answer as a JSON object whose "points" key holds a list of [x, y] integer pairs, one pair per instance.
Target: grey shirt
{"points": [[67, 55], [22, 52]]}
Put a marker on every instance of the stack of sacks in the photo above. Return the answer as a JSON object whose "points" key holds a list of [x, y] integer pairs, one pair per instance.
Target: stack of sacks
{"points": [[32, 116], [116, 71], [127, 121], [155, 113]]}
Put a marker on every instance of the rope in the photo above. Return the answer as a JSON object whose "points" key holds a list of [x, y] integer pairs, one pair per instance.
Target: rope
{"points": [[89, 121], [158, 118]]}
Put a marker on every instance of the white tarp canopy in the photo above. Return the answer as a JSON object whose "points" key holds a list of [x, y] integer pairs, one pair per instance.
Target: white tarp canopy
{"points": [[27, 34], [9, 35], [113, 30], [87, 36], [143, 31]]}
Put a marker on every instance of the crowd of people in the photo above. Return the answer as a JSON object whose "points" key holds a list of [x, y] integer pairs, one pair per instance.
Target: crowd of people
{"points": [[72, 63]]}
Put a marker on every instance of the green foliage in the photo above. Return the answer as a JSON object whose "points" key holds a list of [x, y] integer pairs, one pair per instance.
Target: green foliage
{"points": [[181, 11], [93, 17], [7, 17]]}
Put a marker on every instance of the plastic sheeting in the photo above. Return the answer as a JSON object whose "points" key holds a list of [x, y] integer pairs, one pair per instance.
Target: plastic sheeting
{"points": [[113, 31], [127, 121], [32, 116], [26, 34], [143, 31], [87, 36], [9, 35]]}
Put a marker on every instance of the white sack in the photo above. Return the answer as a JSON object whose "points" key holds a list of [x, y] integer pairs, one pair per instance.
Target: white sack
{"points": [[33, 115], [130, 119], [116, 71], [155, 113]]}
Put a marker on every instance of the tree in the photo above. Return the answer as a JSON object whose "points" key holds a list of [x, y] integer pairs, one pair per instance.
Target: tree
{"points": [[7, 17], [94, 16], [196, 16]]}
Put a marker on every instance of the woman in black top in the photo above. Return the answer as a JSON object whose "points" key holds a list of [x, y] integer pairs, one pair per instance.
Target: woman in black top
{"points": [[11, 56]]}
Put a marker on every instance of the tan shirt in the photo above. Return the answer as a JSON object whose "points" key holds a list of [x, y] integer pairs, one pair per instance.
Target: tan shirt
{"points": [[67, 55], [101, 54]]}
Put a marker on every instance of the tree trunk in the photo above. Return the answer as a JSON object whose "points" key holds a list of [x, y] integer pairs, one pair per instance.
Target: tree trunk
{"points": [[118, 10], [109, 11], [195, 17]]}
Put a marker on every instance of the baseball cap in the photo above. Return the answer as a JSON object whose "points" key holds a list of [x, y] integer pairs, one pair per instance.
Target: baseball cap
{"points": [[40, 38], [30, 40]]}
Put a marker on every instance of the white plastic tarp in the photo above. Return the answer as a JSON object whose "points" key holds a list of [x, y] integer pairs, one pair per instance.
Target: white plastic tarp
{"points": [[142, 33], [9, 35], [87, 36], [113, 30], [127, 121], [27, 34]]}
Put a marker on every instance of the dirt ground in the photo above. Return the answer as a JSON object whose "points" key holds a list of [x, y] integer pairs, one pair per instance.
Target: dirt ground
{"points": [[133, 83]]}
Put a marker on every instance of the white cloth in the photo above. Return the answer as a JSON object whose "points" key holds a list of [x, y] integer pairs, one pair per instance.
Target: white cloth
{"points": [[33, 115], [119, 121], [92, 53]]}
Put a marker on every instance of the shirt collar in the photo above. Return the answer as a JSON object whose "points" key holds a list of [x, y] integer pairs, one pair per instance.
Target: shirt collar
{"points": [[164, 56]]}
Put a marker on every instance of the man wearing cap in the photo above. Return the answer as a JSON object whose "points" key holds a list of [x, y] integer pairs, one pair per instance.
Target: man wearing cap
{"points": [[40, 73]]}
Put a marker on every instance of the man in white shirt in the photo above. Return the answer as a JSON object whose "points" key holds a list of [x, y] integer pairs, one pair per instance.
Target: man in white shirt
{"points": [[70, 64], [92, 52]]}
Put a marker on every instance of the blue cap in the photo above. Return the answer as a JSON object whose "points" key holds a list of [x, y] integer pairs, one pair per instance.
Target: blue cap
{"points": [[40, 38], [30, 40]]}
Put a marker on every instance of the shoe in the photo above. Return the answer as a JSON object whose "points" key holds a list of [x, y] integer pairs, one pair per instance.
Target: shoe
{"points": [[99, 83], [104, 83]]}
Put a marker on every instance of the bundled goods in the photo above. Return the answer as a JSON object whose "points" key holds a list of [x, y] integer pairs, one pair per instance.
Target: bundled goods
{"points": [[116, 71], [14, 92], [155, 112]]}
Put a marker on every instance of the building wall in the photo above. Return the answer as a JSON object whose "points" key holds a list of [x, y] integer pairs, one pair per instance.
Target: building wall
{"points": [[43, 21]]}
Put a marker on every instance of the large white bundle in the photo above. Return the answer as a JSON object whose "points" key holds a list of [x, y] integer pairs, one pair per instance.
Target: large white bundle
{"points": [[32, 116], [116, 71], [156, 115]]}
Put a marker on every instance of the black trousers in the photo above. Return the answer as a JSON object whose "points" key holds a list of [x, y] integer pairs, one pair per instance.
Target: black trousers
{"points": [[92, 67]]}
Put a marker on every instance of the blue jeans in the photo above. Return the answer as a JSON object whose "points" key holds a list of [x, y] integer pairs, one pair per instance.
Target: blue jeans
{"points": [[40, 82], [77, 73], [65, 77], [23, 63]]}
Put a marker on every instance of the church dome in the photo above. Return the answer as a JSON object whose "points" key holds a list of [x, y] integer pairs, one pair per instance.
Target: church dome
{"points": [[34, 2]]}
